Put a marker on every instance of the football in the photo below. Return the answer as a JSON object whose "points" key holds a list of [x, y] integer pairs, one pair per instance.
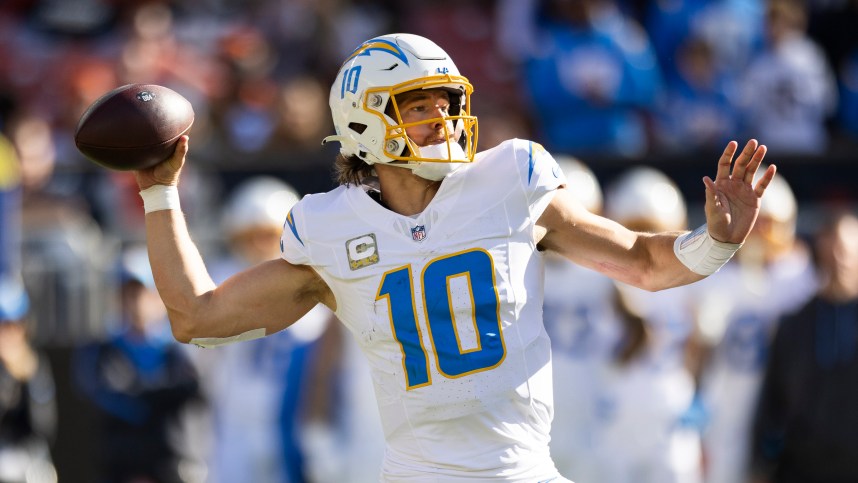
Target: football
{"points": [[133, 127]]}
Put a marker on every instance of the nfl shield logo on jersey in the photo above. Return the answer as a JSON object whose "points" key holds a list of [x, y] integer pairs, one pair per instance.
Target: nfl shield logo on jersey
{"points": [[418, 233]]}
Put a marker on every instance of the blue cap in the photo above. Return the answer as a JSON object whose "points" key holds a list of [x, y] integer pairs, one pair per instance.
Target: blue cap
{"points": [[14, 302]]}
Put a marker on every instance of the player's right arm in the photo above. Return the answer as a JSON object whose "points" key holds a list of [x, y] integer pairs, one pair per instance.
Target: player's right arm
{"points": [[269, 296]]}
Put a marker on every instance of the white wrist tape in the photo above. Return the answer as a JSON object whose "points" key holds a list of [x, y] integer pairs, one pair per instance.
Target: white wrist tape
{"points": [[160, 197], [701, 253]]}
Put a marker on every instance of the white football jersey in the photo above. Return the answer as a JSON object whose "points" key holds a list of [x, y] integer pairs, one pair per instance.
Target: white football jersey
{"points": [[751, 303], [447, 308], [578, 309]]}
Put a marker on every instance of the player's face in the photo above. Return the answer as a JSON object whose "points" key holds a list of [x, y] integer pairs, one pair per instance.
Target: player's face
{"points": [[423, 105]]}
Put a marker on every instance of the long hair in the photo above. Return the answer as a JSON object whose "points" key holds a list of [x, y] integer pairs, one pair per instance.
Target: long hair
{"points": [[350, 170]]}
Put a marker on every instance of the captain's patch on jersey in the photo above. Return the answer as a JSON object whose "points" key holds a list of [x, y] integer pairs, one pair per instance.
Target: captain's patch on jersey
{"points": [[362, 251]]}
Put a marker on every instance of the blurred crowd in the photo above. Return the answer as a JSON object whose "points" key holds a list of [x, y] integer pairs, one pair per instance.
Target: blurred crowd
{"points": [[650, 387]]}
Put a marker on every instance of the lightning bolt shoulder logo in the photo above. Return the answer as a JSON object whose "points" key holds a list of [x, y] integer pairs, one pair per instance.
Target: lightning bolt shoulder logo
{"points": [[379, 45], [290, 222], [534, 151]]}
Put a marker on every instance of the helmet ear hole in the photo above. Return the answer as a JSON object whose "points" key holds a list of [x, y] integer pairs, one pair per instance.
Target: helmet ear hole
{"points": [[357, 127]]}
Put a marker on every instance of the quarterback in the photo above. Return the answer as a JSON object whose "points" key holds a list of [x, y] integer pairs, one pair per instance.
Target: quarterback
{"points": [[431, 253]]}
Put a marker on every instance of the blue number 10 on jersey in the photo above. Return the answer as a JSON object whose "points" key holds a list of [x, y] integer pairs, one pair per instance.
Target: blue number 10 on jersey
{"points": [[476, 269]]}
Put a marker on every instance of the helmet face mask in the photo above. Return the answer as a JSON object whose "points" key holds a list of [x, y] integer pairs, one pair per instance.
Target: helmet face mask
{"points": [[368, 119]]}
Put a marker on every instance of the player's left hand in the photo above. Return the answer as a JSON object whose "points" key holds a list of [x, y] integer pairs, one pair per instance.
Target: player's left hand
{"points": [[732, 199]]}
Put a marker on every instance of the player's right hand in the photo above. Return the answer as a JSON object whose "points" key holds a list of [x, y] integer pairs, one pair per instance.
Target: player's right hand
{"points": [[166, 172]]}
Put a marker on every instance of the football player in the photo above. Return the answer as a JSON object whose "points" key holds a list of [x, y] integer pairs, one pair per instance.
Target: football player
{"points": [[772, 276], [256, 388], [577, 302], [430, 253], [643, 387]]}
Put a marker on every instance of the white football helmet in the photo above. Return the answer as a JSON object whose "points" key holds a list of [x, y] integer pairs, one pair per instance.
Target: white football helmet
{"points": [[779, 203], [259, 202], [775, 231], [581, 182], [367, 119], [645, 199]]}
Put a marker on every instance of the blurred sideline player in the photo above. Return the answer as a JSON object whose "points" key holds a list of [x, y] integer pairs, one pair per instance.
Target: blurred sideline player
{"points": [[772, 276], [643, 387], [255, 387], [577, 302], [342, 436]]}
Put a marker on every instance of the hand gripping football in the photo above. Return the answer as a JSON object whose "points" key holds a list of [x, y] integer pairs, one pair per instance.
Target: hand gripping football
{"points": [[133, 127]]}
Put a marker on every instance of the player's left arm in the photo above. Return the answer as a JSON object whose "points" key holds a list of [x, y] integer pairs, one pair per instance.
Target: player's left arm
{"points": [[652, 261]]}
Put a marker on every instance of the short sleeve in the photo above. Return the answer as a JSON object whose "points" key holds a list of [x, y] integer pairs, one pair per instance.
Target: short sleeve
{"points": [[292, 241], [540, 175]]}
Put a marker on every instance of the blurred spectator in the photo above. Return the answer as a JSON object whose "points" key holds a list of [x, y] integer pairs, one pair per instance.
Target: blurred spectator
{"points": [[788, 92], [593, 80], [469, 31], [302, 105], [697, 110], [141, 382], [732, 28], [351, 22], [256, 387], [62, 245], [832, 24], [250, 118], [519, 43], [48, 194], [302, 36], [806, 421], [28, 413], [153, 54], [739, 307]]}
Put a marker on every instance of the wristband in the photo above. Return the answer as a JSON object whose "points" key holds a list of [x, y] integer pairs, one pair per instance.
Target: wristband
{"points": [[160, 197], [701, 253]]}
